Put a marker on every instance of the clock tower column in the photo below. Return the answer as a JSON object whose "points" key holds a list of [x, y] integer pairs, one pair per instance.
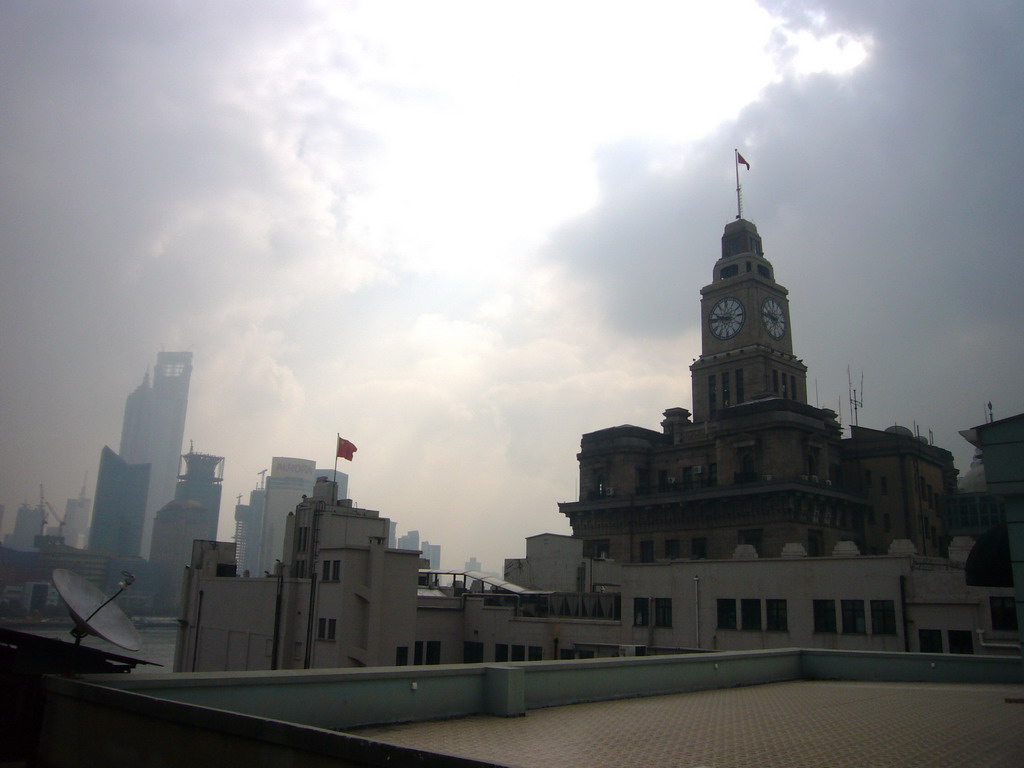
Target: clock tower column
{"points": [[746, 338]]}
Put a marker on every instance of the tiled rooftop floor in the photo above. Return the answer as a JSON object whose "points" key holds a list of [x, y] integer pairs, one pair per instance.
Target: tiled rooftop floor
{"points": [[792, 724]]}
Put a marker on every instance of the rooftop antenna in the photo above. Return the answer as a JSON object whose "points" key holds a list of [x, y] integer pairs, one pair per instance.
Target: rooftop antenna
{"points": [[738, 158], [855, 404], [263, 479], [991, 418]]}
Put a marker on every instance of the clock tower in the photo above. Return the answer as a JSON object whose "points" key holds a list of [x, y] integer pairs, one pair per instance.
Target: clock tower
{"points": [[746, 336]]}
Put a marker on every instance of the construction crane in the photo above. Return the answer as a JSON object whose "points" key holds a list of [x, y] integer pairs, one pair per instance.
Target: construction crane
{"points": [[43, 506]]}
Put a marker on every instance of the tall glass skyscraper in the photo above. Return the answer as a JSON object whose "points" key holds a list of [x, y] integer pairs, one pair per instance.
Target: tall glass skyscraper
{"points": [[153, 430], [120, 506]]}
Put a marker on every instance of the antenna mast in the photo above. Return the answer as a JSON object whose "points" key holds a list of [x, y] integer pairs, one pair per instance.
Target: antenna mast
{"points": [[855, 404]]}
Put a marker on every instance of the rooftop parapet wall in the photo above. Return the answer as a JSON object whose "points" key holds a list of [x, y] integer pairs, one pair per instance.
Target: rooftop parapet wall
{"points": [[348, 698]]}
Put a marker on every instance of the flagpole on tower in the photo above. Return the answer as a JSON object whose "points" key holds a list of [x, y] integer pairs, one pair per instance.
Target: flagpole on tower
{"points": [[337, 443], [739, 188]]}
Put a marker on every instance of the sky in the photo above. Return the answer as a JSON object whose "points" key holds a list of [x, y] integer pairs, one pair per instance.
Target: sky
{"points": [[463, 234]]}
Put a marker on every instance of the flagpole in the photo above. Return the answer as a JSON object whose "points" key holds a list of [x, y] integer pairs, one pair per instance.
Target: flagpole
{"points": [[337, 443], [739, 198]]}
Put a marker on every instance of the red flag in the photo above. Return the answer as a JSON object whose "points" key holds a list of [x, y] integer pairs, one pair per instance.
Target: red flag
{"points": [[346, 449], [740, 159]]}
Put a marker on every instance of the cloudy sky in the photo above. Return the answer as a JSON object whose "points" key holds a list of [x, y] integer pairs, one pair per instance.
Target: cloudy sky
{"points": [[461, 234]]}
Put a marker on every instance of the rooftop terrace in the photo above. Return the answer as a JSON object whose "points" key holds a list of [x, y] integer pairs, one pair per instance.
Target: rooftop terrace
{"points": [[783, 725], [788, 707]]}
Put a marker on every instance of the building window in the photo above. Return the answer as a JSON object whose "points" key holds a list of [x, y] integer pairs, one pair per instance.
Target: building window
{"points": [[401, 655], [597, 548], [815, 543], [776, 616], [960, 641], [433, 652], [883, 482], [332, 570], [887, 520], [501, 652], [775, 381], [726, 613], [641, 612], [417, 653], [518, 653], [739, 386], [930, 640], [726, 402], [1004, 613], [663, 611], [699, 548], [535, 653], [853, 617], [883, 617], [750, 610], [326, 629], [303, 538], [824, 615], [472, 652], [672, 549], [647, 551], [712, 396], [792, 387]]}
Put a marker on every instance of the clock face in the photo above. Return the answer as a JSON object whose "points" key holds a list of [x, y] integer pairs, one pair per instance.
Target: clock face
{"points": [[726, 318], [774, 318]]}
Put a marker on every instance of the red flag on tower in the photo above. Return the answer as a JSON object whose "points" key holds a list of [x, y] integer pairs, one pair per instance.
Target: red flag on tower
{"points": [[740, 159], [346, 449]]}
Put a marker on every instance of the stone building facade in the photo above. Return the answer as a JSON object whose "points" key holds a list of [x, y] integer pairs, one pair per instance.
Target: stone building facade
{"points": [[755, 465]]}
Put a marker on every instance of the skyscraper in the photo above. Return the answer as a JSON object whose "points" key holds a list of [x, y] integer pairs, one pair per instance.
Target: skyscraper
{"points": [[193, 514], [249, 531], [289, 480], [201, 483], [27, 525], [120, 506], [77, 515], [153, 429]]}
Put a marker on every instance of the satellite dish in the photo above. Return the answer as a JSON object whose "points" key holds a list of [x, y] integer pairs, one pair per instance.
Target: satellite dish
{"points": [[94, 613]]}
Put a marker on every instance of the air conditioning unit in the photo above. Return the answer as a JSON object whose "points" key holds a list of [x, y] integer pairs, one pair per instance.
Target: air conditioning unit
{"points": [[766, 478], [609, 491], [698, 470], [828, 482], [814, 478], [671, 481], [632, 650]]}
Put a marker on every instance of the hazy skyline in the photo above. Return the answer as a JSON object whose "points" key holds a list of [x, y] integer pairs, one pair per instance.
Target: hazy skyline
{"points": [[462, 235]]}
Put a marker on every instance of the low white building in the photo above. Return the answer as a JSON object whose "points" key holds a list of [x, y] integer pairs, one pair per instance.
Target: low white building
{"points": [[372, 605], [362, 611]]}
